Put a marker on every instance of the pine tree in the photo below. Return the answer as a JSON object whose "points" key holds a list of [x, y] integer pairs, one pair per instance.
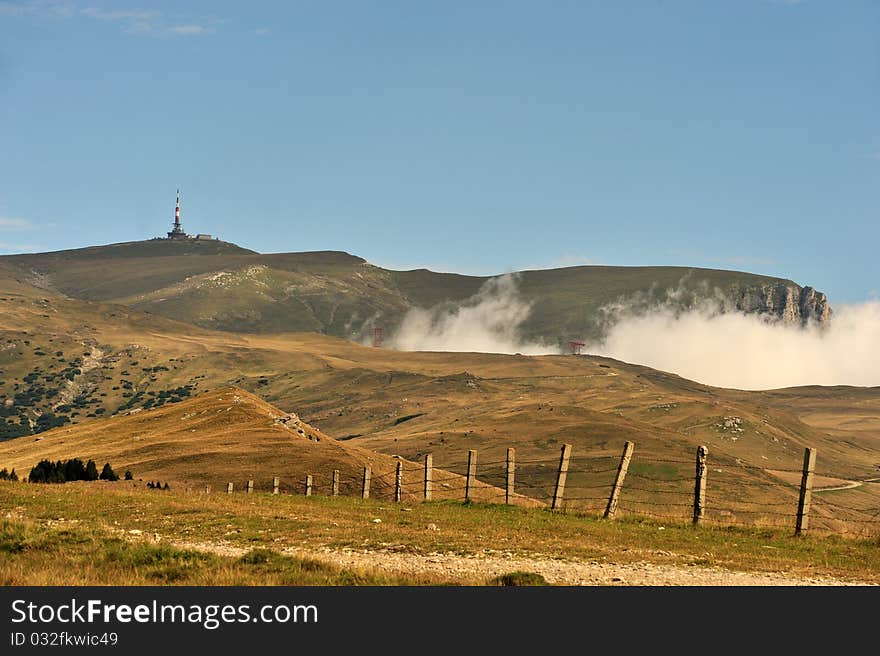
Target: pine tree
{"points": [[42, 472], [128, 475], [71, 470], [107, 474], [91, 471]]}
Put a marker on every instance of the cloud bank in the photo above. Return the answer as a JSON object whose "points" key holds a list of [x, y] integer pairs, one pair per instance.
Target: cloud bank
{"points": [[704, 340], [12, 223], [749, 351], [488, 322]]}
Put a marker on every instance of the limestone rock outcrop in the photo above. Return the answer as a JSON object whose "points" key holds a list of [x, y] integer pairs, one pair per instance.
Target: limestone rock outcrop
{"points": [[792, 304]]}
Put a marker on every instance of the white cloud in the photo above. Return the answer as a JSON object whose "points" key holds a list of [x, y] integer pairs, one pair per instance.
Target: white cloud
{"points": [[709, 342], [11, 249], [53, 8], [11, 9], [748, 351], [187, 30], [488, 322], [11, 223], [262, 31], [133, 21], [116, 15]]}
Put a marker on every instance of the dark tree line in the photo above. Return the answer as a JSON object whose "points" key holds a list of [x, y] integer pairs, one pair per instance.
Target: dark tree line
{"points": [[74, 469]]}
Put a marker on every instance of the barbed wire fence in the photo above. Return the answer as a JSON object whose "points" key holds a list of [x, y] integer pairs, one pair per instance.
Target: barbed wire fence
{"points": [[683, 489]]}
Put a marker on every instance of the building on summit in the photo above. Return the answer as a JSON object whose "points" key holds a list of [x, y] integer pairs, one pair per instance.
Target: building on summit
{"points": [[177, 232]]}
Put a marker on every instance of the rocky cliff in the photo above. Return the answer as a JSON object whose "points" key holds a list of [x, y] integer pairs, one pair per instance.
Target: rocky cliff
{"points": [[789, 302]]}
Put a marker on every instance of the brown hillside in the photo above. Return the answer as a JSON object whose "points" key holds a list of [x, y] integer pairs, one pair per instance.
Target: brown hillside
{"points": [[226, 435]]}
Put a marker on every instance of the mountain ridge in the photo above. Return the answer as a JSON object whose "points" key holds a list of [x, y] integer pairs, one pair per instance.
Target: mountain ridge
{"points": [[220, 285]]}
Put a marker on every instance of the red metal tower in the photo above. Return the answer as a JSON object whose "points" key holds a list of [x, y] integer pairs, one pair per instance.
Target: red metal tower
{"points": [[378, 336], [177, 231], [576, 345]]}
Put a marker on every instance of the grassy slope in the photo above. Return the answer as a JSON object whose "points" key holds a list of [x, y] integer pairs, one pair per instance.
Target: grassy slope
{"points": [[53, 525]]}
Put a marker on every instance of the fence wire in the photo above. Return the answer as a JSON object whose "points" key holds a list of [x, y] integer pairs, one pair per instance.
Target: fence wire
{"points": [[739, 494]]}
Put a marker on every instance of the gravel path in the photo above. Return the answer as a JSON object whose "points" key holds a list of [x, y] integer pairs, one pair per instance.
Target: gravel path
{"points": [[479, 568]]}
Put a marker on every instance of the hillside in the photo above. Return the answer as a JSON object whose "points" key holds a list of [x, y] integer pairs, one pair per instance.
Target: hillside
{"points": [[226, 435], [221, 286], [67, 363]]}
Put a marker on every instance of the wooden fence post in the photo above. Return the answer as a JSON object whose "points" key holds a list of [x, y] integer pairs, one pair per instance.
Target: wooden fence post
{"points": [[366, 488], [398, 482], [561, 475], [229, 488], [276, 485], [429, 476], [613, 500], [309, 485], [700, 485], [471, 475], [511, 474], [803, 514], [250, 487], [335, 483]]}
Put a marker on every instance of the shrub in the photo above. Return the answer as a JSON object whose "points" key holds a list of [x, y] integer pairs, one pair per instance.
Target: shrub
{"points": [[48, 421], [128, 475], [519, 578], [11, 430]]}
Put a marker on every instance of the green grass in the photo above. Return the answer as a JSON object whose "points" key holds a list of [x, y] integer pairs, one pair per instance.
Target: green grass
{"points": [[39, 555], [660, 471]]}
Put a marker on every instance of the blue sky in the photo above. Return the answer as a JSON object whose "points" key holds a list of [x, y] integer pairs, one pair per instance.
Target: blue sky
{"points": [[466, 136]]}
